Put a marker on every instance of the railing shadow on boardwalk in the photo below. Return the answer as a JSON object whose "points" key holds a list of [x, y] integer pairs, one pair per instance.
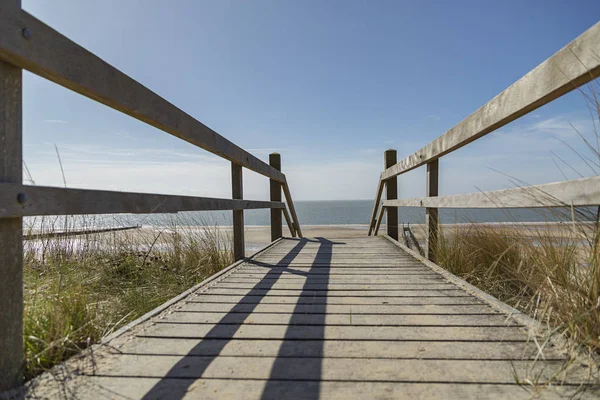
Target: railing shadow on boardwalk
{"points": [[172, 387]]}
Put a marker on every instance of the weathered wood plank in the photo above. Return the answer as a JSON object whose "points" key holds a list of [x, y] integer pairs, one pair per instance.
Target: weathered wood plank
{"points": [[431, 214], [92, 387], [290, 203], [336, 369], [573, 66], [342, 293], [579, 192], [40, 200], [275, 195], [257, 318], [289, 222], [339, 271], [387, 309], [210, 297], [469, 333], [11, 230], [391, 193], [339, 348], [237, 192], [53, 56], [239, 277], [331, 287]]}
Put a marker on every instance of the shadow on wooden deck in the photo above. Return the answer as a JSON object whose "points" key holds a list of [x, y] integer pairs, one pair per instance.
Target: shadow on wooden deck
{"points": [[173, 387]]}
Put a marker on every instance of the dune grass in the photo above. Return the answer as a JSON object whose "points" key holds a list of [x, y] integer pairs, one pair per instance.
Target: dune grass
{"points": [[551, 274], [79, 289]]}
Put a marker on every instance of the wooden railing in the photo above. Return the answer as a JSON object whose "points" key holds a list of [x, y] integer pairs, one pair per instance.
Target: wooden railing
{"points": [[575, 65], [27, 43]]}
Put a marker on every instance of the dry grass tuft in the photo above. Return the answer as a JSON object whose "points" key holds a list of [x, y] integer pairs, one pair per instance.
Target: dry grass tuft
{"points": [[79, 289], [553, 276]]}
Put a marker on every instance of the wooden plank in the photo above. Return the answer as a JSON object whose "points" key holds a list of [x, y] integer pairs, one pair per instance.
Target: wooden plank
{"points": [[306, 270], [342, 293], [50, 235], [404, 333], [209, 297], [339, 348], [579, 192], [381, 280], [11, 230], [237, 192], [290, 203], [310, 285], [256, 318], [391, 193], [92, 387], [372, 310], [573, 66], [40, 200], [51, 55], [335, 369], [379, 219], [373, 220], [431, 214], [289, 222], [275, 193], [322, 261]]}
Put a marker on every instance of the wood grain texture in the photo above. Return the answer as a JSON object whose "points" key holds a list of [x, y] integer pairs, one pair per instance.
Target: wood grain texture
{"points": [[42, 200], [290, 202], [275, 195], [55, 57], [431, 213], [573, 66], [373, 220], [11, 229], [391, 193], [579, 192], [237, 191]]}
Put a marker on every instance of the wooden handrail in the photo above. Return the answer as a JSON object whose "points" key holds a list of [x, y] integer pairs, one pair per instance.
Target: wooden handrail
{"points": [[578, 192], [23, 200], [27, 43], [573, 66], [53, 56]]}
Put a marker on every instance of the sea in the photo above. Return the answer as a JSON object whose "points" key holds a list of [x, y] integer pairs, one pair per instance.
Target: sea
{"points": [[346, 212]]}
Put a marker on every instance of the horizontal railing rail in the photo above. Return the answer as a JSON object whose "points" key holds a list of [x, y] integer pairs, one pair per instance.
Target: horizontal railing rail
{"points": [[24, 200], [573, 66], [578, 193], [29, 44]]}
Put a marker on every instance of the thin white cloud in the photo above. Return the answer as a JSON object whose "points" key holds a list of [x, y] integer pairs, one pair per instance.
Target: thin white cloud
{"points": [[55, 121]]}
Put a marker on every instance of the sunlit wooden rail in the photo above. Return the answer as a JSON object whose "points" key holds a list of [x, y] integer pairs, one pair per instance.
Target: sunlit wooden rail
{"points": [[27, 43], [573, 66]]}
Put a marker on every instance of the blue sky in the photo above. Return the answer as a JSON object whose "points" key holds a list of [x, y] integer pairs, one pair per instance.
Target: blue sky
{"points": [[328, 84]]}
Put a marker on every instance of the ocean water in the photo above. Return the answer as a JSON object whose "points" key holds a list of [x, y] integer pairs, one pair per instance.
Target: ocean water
{"points": [[348, 212]]}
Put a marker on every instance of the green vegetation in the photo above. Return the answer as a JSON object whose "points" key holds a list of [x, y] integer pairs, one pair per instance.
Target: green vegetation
{"points": [[78, 289], [551, 273]]}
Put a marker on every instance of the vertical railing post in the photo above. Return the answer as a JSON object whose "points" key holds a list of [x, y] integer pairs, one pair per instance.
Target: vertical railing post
{"points": [[431, 214], [11, 231], [276, 217], [391, 193], [237, 191]]}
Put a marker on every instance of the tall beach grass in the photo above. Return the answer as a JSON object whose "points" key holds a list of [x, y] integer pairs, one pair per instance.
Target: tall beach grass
{"points": [[79, 289]]}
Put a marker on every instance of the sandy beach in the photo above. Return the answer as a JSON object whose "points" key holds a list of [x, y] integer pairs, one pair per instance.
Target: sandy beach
{"points": [[257, 237]]}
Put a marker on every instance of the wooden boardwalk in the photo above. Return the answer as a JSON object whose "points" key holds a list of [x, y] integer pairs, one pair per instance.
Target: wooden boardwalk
{"points": [[319, 318]]}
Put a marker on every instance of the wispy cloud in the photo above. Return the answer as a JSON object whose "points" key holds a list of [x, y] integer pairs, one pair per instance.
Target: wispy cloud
{"points": [[55, 121]]}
